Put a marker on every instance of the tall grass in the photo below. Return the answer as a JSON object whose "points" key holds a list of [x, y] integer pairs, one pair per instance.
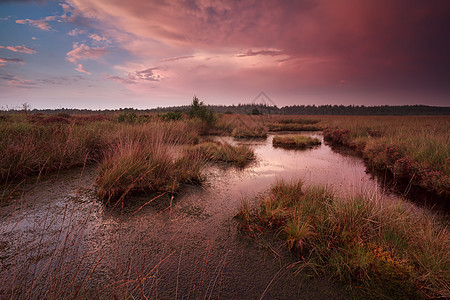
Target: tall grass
{"points": [[415, 148], [147, 158], [378, 245], [29, 149], [39, 144]]}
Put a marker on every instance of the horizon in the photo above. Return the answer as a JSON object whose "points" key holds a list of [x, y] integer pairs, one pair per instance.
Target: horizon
{"points": [[108, 54]]}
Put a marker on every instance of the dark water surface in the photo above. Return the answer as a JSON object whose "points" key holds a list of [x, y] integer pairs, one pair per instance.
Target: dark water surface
{"points": [[57, 237]]}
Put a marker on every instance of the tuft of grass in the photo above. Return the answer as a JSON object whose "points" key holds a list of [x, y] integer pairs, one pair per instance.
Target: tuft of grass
{"points": [[295, 141], [382, 246], [223, 152], [146, 160]]}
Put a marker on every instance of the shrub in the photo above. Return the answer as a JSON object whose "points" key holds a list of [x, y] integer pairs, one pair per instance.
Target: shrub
{"points": [[127, 117], [171, 116]]}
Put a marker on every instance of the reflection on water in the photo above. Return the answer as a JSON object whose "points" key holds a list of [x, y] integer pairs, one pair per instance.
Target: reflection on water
{"points": [[182, 247]]}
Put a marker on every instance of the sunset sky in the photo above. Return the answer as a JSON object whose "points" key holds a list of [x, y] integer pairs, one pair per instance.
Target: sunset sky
{"points": [[102, 54]]}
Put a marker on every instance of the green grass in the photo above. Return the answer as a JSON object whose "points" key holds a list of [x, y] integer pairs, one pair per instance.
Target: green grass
{"points": [[378, 247], [295, 141]]}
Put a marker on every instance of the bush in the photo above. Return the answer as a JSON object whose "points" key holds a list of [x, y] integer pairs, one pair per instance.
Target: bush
{"points": [[171, 116], [127, 117]]}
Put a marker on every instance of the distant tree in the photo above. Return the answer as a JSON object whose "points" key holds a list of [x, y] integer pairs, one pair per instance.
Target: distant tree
{"points": [[199, 110], [255, 111], [26, 107]]}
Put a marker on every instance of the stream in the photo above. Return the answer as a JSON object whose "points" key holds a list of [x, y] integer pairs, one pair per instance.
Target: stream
{"points": [[57, 237]]}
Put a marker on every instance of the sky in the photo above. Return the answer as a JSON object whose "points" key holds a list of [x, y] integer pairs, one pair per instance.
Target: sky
{"points": [[107, 54]]}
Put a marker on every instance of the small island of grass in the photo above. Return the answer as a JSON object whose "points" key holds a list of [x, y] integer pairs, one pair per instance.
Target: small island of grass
{"points": [[295, 141]]}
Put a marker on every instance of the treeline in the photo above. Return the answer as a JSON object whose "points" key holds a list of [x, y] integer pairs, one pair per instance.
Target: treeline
{"points": [[267, 110]]}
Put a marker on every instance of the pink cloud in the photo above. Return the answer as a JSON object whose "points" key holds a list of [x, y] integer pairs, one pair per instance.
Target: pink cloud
{"points": [[21, 49], [18, 82], [41, 24], [260, 52], [98, 38], [83, 52], [4, 60], [76, 32], [81, 69], [290, 45], [121, 80], [134, 77]]}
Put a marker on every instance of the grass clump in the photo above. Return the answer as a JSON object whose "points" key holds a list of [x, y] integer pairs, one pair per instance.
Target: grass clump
{"points": [[146, 160], [379, 246], [223, 152], [295, 141]]}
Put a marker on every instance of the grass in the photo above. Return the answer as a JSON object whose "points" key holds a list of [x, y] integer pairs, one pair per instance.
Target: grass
{"points": [[379, 247], [31, 149], [224, 153], [145, 159], [414, 148], [293, 127], [243, 132], [295, 141]]}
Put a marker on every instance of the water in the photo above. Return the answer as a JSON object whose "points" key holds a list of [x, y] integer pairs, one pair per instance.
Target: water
{"points": [[58, 237]]}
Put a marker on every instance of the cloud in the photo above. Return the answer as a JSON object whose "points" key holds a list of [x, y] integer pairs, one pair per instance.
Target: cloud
{"points": [[18, 82], [23, 1], [136, 77], [84, 52], [21, 49], [81, 69], [76, 32], [122, 80], [4, 60], [98, 38], [41, 24], [261, 52], [147, 74], [176, 58], [365, 38]]}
